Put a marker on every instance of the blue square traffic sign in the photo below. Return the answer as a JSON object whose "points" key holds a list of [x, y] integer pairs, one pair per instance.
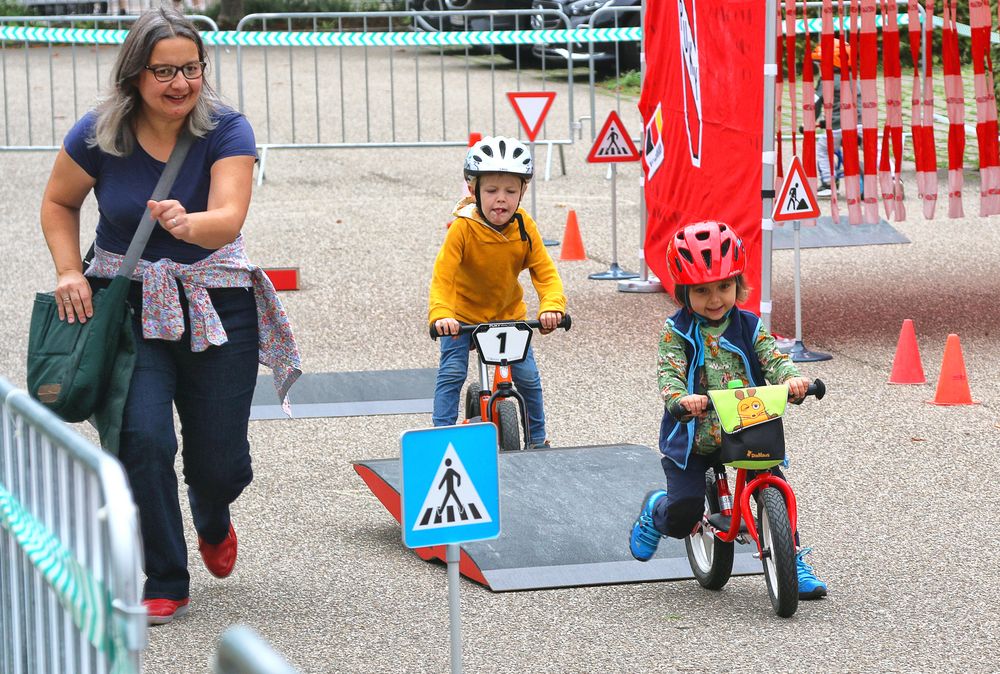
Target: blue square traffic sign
{"points": [[451, 486]]}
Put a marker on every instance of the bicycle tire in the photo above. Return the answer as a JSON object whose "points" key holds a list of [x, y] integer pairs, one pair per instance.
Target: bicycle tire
{"points": [[472, 402], [509, 426], [778, 546], [711, 560]]}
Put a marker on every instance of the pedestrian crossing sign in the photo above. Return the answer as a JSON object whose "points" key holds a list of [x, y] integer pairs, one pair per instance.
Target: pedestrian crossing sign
{"points": [[797, 201], [450, 485], [613, 143]]}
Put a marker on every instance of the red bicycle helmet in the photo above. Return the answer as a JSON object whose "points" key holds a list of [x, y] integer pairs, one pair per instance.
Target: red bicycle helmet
{"points": [[705, 252]]}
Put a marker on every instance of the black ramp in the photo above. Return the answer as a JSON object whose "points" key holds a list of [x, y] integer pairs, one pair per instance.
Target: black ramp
{"points": [[565, 517], [348, 394]]}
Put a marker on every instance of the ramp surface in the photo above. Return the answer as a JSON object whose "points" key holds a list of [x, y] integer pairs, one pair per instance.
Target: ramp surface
{"points": [[565, 517], [348, 394], [829, 234]]}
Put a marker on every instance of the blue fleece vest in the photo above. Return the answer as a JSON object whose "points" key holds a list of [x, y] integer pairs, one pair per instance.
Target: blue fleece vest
{"points": [[677, 438]]}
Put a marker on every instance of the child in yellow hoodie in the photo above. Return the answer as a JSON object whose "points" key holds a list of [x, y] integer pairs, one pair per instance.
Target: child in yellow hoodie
{"points": [[490, 242]]}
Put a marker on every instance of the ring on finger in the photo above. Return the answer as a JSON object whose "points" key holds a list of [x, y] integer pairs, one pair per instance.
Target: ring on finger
{"points": [[173, 222], [66, 298]]}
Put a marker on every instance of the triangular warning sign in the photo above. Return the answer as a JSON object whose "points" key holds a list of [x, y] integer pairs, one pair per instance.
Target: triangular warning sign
{"points": [[452, 499], [613, 143], [797, 201], [531, 108]]}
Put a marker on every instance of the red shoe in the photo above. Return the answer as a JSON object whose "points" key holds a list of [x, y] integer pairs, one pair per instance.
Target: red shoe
{"points": [[219, 558], [161, 611]]}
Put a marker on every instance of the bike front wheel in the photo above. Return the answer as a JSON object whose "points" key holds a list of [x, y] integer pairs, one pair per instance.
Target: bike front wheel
{"points": [[711, 559], [509, 426], [777, 544]]}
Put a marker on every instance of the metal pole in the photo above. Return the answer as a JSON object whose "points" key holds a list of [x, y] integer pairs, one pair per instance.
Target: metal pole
{"points": [[643, 284], [767, 161], [452, 556], [798, 351], [615, 272]]}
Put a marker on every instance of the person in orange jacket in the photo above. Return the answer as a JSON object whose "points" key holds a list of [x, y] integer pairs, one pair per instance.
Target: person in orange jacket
{"points": [[475, 279]]}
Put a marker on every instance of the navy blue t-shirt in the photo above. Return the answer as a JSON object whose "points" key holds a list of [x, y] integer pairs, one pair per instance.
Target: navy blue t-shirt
{"points": [[124, 184]]}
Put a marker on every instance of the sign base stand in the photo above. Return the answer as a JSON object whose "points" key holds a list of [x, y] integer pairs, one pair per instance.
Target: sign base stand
{"points": [[800, 354], [613, 274], [640, 286]]}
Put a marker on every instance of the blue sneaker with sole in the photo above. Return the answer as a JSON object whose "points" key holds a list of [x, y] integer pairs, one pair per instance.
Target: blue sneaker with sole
{"points": [[645, 537], [810, 587]]}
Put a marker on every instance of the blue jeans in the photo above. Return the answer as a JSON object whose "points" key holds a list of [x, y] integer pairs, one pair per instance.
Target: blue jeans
{"points": [[453, 369], [212, 391]]}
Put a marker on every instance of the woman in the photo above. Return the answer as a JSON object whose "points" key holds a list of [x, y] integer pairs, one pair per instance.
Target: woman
{"points": [[197, 349]]}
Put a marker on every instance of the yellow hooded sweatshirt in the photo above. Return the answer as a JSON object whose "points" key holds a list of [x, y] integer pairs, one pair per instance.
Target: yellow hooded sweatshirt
{"points": [[476, 270]]}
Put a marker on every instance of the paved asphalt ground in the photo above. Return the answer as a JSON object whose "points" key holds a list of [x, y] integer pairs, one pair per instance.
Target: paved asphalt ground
{"points": [[897, 497]]}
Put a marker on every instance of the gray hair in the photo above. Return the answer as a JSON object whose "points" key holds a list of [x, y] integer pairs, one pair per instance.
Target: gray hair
{"points": [[113, 131]]}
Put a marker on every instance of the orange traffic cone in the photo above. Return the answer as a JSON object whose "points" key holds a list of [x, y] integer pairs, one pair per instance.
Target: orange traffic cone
{"points": [[953, 383], [572, 243], [906, 366]]}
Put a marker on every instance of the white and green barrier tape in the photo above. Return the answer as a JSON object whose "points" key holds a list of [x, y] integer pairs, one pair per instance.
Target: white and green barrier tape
{"points": [[472, 38], [80, 593]]}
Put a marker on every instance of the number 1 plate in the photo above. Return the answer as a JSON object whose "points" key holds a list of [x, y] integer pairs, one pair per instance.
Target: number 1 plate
{"points": [[500, 343]]}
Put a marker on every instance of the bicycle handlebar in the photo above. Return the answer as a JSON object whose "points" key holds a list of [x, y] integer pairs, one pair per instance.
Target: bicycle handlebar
{"points": [[677, 411], [565, 324]]}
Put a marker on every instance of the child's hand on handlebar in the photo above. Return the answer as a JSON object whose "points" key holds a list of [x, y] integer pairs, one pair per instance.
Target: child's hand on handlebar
{"points": [[797, 387], [550, 321], [446, 326], [697, 405]]}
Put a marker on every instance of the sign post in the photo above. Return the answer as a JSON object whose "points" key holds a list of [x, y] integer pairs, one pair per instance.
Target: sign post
{"points": [[613, 145], [450, 494], [531, 107], [797, 202]]}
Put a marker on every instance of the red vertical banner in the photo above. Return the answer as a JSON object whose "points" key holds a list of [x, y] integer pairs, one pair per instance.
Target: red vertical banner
{"points": [[925, 155], [849, 117], [826, 87], [955, 99], [888, 176], [702, 105], [868, 61], [808, 108], [986, 112]]}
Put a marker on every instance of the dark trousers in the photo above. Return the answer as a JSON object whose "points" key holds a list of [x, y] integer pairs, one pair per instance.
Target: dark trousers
{"points": [[676, 515], [212, 391]]}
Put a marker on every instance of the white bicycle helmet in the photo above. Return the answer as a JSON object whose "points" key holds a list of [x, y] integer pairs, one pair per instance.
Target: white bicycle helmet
{"points": [[497, 154]]}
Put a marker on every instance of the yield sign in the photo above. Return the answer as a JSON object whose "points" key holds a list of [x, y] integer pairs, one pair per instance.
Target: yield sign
{"points": [[531, 108], [613, 143], [797, 201]]}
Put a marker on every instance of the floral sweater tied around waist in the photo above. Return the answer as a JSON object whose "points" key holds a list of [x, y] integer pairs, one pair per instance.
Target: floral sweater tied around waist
{"points": [[228, 267]]}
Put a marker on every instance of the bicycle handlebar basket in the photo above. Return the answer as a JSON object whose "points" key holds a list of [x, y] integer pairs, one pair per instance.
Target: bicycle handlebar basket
{"points": [[752, 433]]}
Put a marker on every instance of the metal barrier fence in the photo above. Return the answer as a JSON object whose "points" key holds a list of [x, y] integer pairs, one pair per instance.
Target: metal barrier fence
{"points": [[70, 552], [345, 79], [53, 69], [411, 92], [243, 651]]}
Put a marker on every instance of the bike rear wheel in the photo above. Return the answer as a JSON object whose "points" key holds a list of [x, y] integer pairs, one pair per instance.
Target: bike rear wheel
{"points": [[472, 402], [778, 552], [711, 559], [509, 426]]}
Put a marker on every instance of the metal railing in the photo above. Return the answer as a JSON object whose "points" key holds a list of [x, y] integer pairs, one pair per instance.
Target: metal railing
{"points": [[48, 84], [70, 550], [243, 651]]}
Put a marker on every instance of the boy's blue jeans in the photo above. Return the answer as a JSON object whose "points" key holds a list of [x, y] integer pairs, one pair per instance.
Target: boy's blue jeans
{"points": [[453, 369], [212, 391]]}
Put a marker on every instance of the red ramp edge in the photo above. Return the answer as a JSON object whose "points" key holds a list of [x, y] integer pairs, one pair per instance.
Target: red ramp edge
{"points": [[390, 499]]}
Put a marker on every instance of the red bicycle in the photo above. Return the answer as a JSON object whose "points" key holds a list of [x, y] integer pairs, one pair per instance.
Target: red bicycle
{"points": [[497, 400], [753, 442]]}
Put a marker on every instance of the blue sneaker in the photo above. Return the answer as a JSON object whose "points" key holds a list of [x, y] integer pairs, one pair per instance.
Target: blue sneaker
{"points": [[645, 537], [810, 587]]}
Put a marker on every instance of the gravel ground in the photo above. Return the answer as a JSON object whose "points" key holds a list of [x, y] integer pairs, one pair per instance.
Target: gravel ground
{"points": [[887, 484]]}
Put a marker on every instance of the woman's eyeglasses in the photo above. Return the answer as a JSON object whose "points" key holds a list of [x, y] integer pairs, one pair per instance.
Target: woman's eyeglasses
{"points": [[165, 73]]}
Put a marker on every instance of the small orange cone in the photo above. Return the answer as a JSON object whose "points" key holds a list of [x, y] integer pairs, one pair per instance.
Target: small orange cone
{"points": [[953, 383], [572, 243], [906, 366], [474, 138]]}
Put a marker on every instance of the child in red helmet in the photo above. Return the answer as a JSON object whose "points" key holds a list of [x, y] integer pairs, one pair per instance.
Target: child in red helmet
{"points": [[706, 344]]}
